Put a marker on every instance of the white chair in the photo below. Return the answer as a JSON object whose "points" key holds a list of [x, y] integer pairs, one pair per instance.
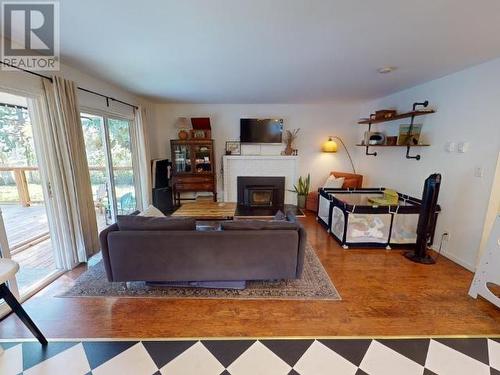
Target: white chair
{"points": [[8, 269], [487, 270]]}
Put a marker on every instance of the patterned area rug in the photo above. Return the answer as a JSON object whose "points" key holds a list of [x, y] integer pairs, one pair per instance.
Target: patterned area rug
{"points": [[315, 284]]}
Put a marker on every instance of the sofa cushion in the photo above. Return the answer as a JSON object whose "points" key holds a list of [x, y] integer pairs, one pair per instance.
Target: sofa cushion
{"points": [[127, 222], [258, 225]]}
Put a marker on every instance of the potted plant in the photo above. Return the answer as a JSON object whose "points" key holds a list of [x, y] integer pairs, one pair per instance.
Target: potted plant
{"points": [[302, 189]]}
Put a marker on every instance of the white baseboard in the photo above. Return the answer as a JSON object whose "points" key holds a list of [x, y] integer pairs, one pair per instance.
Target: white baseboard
{"points": [[453, 258]]}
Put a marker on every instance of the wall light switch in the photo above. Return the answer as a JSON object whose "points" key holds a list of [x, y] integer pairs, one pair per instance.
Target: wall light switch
{"points": [[478, 172], [450, 146], [463, 147]]}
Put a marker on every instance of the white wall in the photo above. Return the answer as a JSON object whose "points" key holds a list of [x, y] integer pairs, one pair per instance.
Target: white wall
{"points": [[467, 110], [316, 122], [26, 82]]}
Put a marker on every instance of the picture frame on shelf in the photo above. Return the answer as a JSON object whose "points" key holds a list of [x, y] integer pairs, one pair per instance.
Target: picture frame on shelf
{"points": [[200, 134], [233, 148], [405, 138]]}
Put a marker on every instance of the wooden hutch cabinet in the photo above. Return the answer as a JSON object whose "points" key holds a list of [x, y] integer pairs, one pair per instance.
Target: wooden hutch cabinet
{"points": [[193, 167]]}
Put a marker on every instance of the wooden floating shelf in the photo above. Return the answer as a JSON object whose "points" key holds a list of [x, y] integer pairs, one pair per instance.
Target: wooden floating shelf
{"points": [[412, 114], [396, 117], [419, 145]]}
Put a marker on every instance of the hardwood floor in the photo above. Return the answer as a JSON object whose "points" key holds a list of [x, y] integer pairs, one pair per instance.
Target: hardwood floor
{"points": [[383, 294]]}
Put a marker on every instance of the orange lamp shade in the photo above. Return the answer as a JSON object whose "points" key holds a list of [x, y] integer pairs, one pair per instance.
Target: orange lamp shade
{"points": [[330, 145]]}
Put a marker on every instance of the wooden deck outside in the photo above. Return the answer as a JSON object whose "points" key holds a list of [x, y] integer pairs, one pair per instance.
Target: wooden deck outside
{"points": [[24, 223], [28, 235], [29, 241]]}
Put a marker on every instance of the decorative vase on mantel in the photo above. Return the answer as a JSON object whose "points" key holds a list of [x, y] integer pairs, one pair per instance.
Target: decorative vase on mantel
{"points": [[182, 124], [290, 137]]}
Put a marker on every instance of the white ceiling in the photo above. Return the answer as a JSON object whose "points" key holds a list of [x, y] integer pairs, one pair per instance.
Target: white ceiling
{"points": [[275, 51]]}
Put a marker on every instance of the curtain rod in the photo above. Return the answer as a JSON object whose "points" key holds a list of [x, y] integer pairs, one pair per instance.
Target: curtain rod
{"points": [[15, 106], [108, 98]]}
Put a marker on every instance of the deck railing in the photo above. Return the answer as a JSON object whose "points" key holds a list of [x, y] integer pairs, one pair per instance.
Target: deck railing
{"points": [[21, 181]]}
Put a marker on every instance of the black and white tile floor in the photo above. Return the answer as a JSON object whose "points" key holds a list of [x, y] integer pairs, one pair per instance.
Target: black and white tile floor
{"points": [[472, 356]]}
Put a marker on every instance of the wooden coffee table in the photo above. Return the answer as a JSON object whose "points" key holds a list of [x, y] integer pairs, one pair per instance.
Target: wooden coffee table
{"points": [[208, 210]]}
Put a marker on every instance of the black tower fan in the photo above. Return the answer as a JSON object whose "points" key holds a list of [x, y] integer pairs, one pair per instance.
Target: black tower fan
{"points": [[426, 221]]}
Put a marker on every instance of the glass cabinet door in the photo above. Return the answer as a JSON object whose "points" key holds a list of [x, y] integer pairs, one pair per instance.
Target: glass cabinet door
{"points": [[182, 159], [202, 159]]}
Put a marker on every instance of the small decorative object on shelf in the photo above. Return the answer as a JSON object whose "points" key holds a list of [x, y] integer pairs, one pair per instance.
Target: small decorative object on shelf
{"points": [[385, 114], [290, 137], [201, 128], [391, 140], [409, 135], [199, 134], [233, 148], [183, 125], [302, 189], [374, 138]]}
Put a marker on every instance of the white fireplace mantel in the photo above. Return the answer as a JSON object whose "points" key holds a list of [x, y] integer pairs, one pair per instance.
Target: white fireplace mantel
{"points": [[259, 165]]}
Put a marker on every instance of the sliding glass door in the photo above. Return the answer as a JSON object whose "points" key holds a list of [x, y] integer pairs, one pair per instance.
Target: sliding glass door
{"points": [[25, 231], [120, 147], [109, 150]]}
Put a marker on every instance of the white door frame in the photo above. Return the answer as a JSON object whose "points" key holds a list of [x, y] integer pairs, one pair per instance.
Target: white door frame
{"points": [[31, 97], [109, 167]]}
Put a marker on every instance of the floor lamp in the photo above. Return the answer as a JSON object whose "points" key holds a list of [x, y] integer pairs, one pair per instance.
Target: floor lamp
{"points": [[331, 146]]}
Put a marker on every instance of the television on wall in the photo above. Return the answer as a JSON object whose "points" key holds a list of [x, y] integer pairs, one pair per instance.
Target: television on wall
{"points": [[254, 130]]}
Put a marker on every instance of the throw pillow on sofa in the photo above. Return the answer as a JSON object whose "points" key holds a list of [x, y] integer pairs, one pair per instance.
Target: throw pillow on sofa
{"points": [[289, 216], [280, 215], [152, 211], [127, 222], [334, 183]]}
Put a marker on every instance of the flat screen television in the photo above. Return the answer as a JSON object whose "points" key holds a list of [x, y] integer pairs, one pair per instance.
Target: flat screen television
{"points": [[254, 130]]}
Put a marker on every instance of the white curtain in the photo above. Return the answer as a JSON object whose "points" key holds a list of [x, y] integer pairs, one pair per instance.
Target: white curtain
{"points": [[64, 150], [141, 156]]}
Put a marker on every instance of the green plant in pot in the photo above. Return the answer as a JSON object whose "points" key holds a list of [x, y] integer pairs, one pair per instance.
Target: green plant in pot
{"points": [[302, 189]]}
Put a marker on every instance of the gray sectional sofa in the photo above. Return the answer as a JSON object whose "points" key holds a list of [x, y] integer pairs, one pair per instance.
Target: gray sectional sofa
{"points": [[169, 249]]}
